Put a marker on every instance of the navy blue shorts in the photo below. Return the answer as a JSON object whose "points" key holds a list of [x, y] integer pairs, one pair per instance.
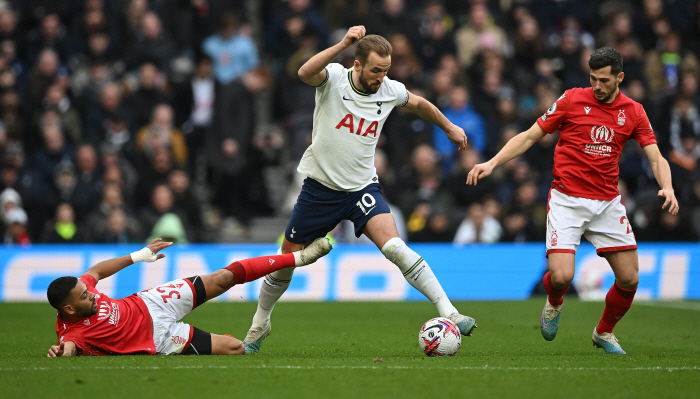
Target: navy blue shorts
{"points": [[319, 209]]}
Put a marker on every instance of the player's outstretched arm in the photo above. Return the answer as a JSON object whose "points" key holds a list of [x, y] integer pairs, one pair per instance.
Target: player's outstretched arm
{"points": [[108, 267], [65, 349], [313, 71], [426, 110], [662, 173], [513, 149]]}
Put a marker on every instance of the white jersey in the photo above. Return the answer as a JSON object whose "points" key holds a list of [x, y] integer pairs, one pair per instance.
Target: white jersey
{"points": [[347, 124]]}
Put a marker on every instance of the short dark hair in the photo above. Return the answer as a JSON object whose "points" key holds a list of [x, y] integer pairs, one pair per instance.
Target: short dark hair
{"points": [[372, 43], [59, 290], [605, 56]]}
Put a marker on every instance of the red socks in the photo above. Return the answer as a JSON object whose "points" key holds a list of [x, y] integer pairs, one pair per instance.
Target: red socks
{"points": [[555, 294], [617, 302], [247, 270]]}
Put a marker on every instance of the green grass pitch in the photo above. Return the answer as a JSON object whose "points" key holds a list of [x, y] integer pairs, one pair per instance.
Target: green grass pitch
{"points": [[370, 350]]}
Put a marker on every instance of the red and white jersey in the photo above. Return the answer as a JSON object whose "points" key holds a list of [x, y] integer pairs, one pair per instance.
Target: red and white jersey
{"points": [[591, 138], [121, 326], [347, 124]]}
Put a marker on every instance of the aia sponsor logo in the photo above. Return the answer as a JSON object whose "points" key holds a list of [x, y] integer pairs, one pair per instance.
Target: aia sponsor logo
{"points": [[349, 123]]}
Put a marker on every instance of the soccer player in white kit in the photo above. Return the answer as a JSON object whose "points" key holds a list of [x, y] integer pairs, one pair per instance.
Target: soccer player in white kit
{"points": [[351, 108], [594, 124]]}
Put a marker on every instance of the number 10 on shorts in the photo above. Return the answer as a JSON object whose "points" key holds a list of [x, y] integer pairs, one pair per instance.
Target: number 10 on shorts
{"points": [[367, 203]]}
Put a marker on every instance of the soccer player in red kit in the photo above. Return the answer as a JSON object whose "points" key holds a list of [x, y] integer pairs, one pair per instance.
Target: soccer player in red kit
{"points": [[148, 322], [594, 124]]}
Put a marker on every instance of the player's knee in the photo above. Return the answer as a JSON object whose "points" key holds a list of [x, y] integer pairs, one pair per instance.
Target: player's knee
{"points": [[628, 282], [561, 278]]}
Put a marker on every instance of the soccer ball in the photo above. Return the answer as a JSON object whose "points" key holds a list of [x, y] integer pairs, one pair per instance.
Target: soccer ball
{"points": [[439, 337]]}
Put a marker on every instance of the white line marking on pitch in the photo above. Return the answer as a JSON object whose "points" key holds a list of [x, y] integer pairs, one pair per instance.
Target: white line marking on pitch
{"points": [[242, 366], [674, 305]]}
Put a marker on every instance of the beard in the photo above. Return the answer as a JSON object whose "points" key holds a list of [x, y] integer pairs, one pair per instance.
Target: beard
{"points": [[607, 98], [367, 86], [87, 312]]}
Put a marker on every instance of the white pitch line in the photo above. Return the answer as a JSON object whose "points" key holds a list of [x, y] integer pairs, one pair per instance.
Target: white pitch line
{"points": [[387, 367], [673, 305]]}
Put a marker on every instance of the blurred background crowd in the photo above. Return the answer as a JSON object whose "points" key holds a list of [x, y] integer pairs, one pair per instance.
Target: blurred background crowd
{"points": [[124, 120]]}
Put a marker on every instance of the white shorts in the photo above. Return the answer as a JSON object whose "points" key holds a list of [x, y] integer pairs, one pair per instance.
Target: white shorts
{"points": [[168, 304], [603, 223]]}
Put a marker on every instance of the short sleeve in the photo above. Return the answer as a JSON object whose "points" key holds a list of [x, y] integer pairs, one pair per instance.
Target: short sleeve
{"points": [[555, 115], [643, 133], [398, 91], [89, 280], [333, 73]]}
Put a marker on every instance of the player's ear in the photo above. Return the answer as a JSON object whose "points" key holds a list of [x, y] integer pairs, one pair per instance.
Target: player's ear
{"points": [[357, 65], [68, 309], [620, 77]]}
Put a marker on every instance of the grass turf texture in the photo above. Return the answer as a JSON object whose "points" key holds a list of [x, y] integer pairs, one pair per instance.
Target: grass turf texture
{"points": [[351, 350]]}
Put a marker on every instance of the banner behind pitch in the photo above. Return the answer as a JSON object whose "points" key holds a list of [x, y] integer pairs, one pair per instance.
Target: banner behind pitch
{"points": [[357, 273]]}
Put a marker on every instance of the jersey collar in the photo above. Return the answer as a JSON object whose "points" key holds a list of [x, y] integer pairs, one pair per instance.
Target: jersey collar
{"points": [[355, 89]]}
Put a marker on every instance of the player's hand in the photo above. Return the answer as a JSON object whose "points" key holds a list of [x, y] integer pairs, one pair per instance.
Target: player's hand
{"points": [[354, 34], [670, 199], [157, 245], [457, 137], [56, 350], [478, 172]]}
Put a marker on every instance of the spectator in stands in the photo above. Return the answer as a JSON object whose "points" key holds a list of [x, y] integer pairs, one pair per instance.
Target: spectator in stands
{"points": [[147, 95], [461, 113], [193, 103], [235, 59], [186, 200], [162, 217], [479, 33], [118, 229], [478, 227], [152, 44], [88, 175], [56, 100], [110, 102], [16, 222], [50, 34], [62, 229], [161, 133]]}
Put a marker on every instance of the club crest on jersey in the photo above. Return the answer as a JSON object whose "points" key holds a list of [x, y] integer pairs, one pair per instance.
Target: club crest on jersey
{"points": [[621, 117], [379, 104]]}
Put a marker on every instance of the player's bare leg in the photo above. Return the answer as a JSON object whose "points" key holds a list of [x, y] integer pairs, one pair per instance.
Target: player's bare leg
{"points": [[556, 282], [272, 288], [381, 229], [625, 265], [226, 345]]}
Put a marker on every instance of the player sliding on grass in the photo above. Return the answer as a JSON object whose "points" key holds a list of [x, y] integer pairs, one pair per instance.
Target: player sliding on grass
{"points": [[147, 323], [594, 124], [351, 108]]}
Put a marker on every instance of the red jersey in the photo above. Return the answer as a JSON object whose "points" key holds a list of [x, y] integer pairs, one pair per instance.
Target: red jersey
{"points": [[591, 138], [121, 326]]}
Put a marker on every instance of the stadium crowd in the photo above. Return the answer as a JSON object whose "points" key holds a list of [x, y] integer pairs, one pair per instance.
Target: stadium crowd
{"points": [[130, 119]]}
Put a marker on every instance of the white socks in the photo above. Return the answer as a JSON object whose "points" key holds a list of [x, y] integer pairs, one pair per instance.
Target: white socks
{"points": [[414, 268], [272, 288], [418, 273]]}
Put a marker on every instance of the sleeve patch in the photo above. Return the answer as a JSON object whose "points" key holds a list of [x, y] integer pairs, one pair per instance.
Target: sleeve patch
{"points": [[405, 101]]}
